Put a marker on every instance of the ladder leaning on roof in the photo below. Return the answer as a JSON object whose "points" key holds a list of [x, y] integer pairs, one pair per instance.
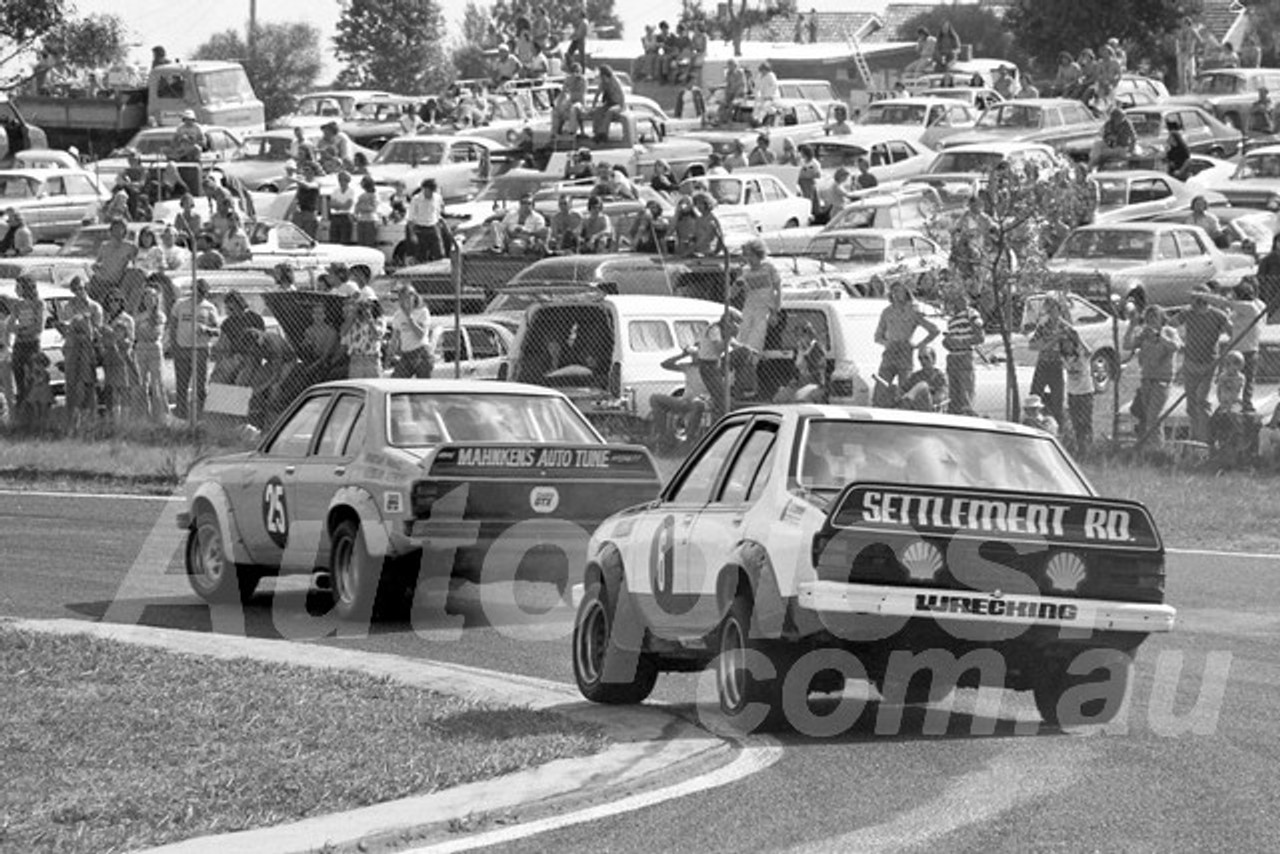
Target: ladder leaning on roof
{"points": [[854, 39]]}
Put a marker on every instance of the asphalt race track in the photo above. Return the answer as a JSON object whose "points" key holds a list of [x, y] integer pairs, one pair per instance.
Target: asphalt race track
{"points": [[1200, 778]]}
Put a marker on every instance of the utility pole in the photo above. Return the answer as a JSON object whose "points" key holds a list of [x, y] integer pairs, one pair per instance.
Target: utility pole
{"points": [[252, 39]]}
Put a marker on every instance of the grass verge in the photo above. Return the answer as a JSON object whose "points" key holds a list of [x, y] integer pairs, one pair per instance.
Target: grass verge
{"points": [[107, 747]]}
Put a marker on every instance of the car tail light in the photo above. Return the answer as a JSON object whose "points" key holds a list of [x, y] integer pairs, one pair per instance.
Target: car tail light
{"points": [[423, 495], [615, 380]]}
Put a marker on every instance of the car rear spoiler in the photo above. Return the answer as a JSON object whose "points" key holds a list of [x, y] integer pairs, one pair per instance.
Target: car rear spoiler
{"points": [[960, 513]]}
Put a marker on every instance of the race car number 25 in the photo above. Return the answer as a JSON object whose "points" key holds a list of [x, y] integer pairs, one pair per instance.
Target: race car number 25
{"points": [[275, 512]]}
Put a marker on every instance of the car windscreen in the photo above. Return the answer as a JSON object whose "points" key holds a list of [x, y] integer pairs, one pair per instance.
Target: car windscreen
{"points": [[863, 249], [835, 453], [412, 152], [415, 419], [1123, 245], [894, 114], [965, 161], [84, 243], [1011, 116], [835, 156], [267, 148]]}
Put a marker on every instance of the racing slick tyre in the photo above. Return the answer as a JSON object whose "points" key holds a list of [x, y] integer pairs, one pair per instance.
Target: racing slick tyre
{"points": [[1103, 700], [356, 574], [749, 702], [210, 570], [594, 649]]}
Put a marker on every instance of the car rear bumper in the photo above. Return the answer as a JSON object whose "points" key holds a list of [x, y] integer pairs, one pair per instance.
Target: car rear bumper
{"points": [[981, 607]]}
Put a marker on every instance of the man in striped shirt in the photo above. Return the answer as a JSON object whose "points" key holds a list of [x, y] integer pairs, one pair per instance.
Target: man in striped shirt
{"points": [[964, 331]]}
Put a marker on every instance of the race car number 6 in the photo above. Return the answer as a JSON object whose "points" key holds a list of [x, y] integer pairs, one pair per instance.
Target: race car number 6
{"points": [[661, 558], [275, 512]]}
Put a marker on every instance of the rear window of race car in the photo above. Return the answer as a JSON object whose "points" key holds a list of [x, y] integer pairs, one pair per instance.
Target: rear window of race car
{"points": [[416, 419], [834, 453]]}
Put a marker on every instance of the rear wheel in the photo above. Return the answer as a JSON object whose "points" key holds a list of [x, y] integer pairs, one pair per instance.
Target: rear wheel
{"points": [[595, 650], [355, 573], [210, 569], [748, 700]]}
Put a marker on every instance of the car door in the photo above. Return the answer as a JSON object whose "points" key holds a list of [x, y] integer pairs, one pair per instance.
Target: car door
{"points": [[1199, 264], [322, 472], [48, 209], [460, 172], [487, 350], [729, 517], [262, 496], [1194, 130], [80, 193], [662, 566]]}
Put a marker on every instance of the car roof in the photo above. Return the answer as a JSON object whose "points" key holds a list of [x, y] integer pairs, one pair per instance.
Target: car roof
{"points": [[888, 416], [918, 100], [1130, 174], [1133, 226], [1263, 149], [999, 147], [1037, 102], [443, 386], [886, 233]]}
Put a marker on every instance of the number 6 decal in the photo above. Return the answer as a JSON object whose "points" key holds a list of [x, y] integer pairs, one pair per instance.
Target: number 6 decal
{"points": [[275, 512], [662, 561]]}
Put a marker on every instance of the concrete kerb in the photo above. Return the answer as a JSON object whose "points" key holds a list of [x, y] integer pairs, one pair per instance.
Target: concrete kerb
{"points": [[651, 746]]}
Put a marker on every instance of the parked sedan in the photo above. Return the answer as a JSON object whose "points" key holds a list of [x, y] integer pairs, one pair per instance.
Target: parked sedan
{"points": [[53, 201], [274, 242], [260, 162], [798, 121], [1256, 181], [1204, 133], [155, 145], [1135, 194], [874, 258], [1144, 262], [933, 118], [486, 344], [1094, 325], [458, 163], [764, 197], [1063, 123]]}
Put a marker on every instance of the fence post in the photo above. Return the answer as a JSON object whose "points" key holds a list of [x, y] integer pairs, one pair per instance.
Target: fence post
{"points": [[1115, 382], [457, 310]]}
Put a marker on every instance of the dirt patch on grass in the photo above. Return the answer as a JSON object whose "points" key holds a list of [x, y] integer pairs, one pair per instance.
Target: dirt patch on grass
{"points": [[106, 746]]}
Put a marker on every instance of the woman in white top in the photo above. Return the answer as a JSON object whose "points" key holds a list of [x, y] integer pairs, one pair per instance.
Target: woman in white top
{"points": [[424, 221], [342, 202], [150, 258], [766, 95]]}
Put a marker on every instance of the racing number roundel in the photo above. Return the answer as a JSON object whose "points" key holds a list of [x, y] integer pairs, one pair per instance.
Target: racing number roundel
{"points": [[275, 512], [662, 561]]}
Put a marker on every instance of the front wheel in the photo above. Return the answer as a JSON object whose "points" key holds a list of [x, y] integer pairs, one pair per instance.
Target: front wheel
{"points": [[211, 571], [595, 651]]}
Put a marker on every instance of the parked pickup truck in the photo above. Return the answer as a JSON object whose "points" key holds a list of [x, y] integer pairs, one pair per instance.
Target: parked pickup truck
{"points": [[218, 93]]}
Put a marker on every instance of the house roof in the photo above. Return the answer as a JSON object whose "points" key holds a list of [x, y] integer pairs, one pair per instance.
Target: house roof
{"points": [[832, 27], [1218, 15]]}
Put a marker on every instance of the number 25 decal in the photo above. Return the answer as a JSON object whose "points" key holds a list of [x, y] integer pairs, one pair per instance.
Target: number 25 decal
{"points": [[275, 512]]}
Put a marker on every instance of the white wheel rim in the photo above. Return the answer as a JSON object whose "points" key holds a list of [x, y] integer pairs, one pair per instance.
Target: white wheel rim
{"points": [[732, 666], [593, 635]]}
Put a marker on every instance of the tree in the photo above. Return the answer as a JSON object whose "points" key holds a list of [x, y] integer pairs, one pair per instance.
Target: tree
{"points": [[22, 23], [286, 61], [733, 21], [999, 251], [976, 25], [1046, 27], [393, 44]]}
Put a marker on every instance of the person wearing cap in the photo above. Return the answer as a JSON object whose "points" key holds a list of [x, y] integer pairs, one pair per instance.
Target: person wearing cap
{"points": [[1033, 415], [570, 105], [1204, 329], [1117, 141], [361, 334], [189, 139]]}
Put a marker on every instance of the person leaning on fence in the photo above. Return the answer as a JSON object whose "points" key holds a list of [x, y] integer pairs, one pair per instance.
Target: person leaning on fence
{"points": [[1246, 329], [361, 334], [894, 332], [1204, 329], [410, 336], [1080, 391], [196, 326], [1155, 344], [1232, 434], [964, 331]]}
